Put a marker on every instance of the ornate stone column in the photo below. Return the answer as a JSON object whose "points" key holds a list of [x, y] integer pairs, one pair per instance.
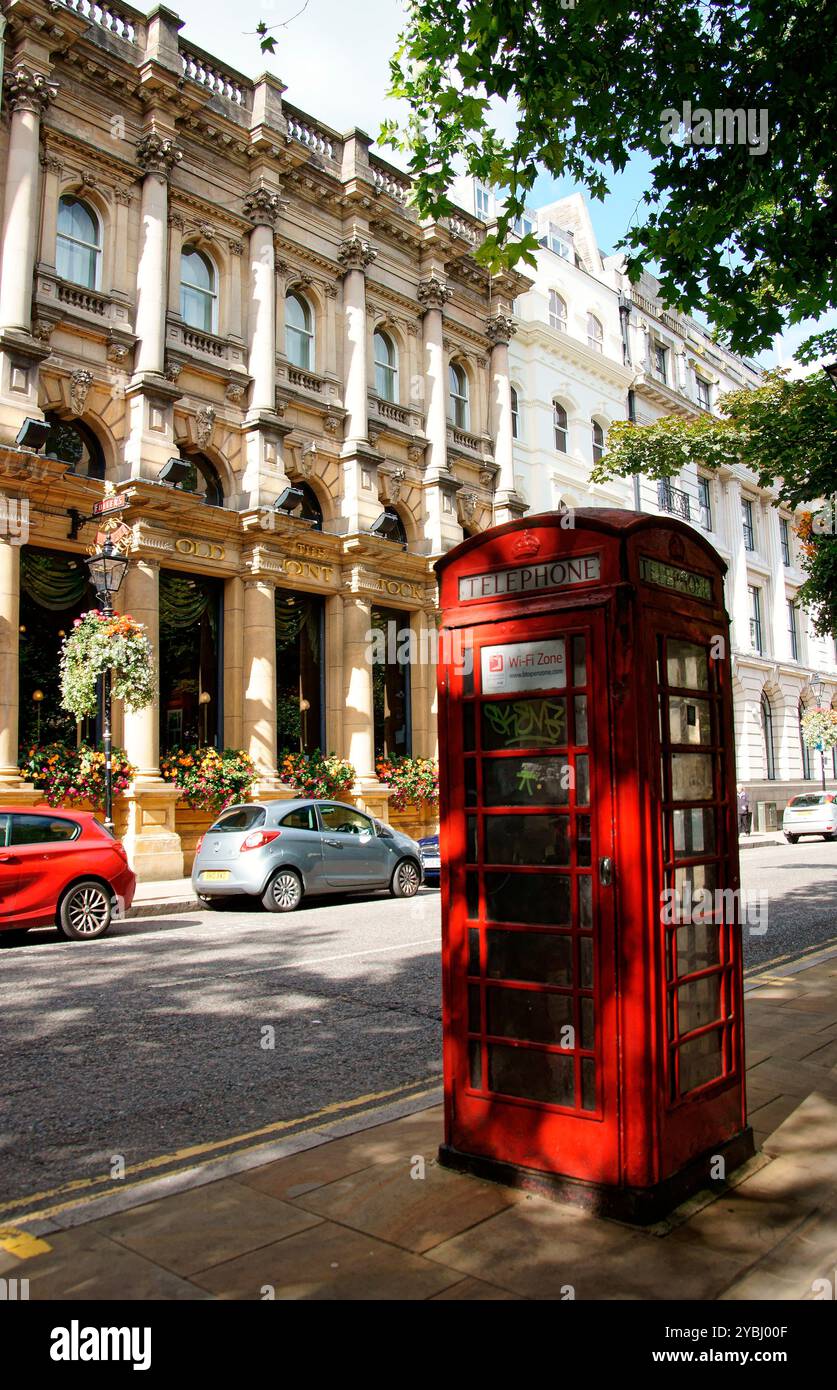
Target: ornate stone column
{"points": [[27, 94], [358, 713], [157, 155], [433, 295], [780, 645], [355, 253], [233, 662], [150, 398], [259, 722], [441, 525], [507, 503], [360, 493], [9, 653], [334, 672], [264, 473], [152, 841]]}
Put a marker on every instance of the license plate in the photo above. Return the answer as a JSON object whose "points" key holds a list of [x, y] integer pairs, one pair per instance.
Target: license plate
{"points": [[216, 875]]}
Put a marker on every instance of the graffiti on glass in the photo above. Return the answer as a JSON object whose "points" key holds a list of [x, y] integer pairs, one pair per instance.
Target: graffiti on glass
{"points": [[528, 723]]}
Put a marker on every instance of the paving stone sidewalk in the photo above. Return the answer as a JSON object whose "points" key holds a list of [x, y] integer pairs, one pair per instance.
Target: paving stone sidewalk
{"points": [[347, 1219]]}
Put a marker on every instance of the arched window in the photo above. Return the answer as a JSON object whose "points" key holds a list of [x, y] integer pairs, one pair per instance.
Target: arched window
{"points": [[595, 333], [458, 397], [311, 510], [198, 292], [78, 246], [767, 737], [203, 480], [299, 332], [557, 312], [559, 425], [515, 414], [386, 367], [806, 752], [598, 442], [74, 444]]}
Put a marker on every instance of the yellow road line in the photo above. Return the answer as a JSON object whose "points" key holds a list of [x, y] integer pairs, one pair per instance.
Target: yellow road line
{"points": [[179, 1156], [21, 1243], [767, 965]]}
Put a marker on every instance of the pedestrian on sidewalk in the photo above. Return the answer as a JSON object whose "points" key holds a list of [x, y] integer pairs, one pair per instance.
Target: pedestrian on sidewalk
{"points": [[745, 815]]}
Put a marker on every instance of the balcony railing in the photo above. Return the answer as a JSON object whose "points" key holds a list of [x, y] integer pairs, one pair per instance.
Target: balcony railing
{"points": [[112, 18], [674, 500]]}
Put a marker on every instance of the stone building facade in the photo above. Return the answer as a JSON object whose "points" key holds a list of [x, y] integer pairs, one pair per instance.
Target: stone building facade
{"points": [[194, 270]]}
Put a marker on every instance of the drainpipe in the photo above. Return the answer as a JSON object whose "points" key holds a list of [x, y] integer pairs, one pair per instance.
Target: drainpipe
{"points": [[632, 420]]}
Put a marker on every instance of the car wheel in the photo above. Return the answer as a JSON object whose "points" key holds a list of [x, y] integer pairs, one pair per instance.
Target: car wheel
{"points": [[284, 892], [85, 911], [406, 880], [791, 839], [830, 835]]}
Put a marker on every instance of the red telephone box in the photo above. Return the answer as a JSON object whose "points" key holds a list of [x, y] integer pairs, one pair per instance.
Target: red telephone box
{"points": [[592, 972]]}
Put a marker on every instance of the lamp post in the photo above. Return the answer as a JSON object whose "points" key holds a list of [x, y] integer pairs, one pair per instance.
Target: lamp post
{"points": [[107, 570], [37, 696], [203, 700], [818, 692], [831, 373]]}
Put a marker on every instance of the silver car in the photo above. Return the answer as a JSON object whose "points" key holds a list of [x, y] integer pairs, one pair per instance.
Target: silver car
{"points": [[282, 851]]}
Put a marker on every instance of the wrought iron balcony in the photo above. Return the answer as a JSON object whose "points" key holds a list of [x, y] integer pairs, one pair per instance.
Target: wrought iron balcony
{"points": [[673, 500]]}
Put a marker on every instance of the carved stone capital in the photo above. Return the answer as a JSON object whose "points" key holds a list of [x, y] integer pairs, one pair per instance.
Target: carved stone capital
{"points": [[356, 253], [501, 329], [263, 206], [157, 154], [433, 293], [27, 90]]}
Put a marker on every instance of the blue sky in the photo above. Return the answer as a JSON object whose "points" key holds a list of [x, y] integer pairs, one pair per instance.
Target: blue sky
{"points": [[334, 58]]}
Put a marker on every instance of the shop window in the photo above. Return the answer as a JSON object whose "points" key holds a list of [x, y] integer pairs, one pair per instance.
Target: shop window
{"points": [[75, 444], [391, 684], [805, 750], [54, 590], [299, 332], [191, 660], [458, 404], [386, 367], [78, 246], [300, 668], [198, 291], [203, 480], [767, 737]]}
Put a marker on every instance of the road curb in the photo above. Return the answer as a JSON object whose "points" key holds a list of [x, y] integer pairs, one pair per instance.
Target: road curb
{"points": [[158, 908], [200, 1174]]}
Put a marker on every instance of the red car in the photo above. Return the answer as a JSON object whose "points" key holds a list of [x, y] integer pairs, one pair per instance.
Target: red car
{"points": [[61, 868]]}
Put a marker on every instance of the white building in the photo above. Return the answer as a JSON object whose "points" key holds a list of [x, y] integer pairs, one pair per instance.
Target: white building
{"points": [[590, 348]]}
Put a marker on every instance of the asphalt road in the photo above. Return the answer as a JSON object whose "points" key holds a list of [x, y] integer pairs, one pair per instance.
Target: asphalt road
{"points": [[154, 1038], [157, 1038]]}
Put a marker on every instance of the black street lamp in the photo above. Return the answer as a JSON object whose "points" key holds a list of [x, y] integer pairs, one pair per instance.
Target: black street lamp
{"points": [[818, 691], [107, 570], [831, 373]]}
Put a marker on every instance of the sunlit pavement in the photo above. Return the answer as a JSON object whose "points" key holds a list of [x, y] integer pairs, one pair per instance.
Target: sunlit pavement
{"points": [[156, 1041]]}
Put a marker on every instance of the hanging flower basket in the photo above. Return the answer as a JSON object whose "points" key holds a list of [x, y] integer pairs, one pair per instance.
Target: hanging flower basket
{"points": [[317, 774], [70, 776], [412, 781], [819, 728], [97, 644], [210, 780]]}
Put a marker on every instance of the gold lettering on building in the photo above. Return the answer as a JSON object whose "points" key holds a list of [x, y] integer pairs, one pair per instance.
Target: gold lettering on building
{"points": [[200, 550], [305, 569]]}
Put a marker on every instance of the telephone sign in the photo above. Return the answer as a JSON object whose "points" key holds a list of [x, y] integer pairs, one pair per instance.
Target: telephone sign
{"points": [[593, 1039]]}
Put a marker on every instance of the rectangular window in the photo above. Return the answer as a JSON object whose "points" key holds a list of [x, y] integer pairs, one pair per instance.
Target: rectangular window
{"points": [[703, 397], [482, 202], [756, 640], [661, 363], [391, 684], [705, 501], [784, 538], [560, 242], [747, 524], [793, 629]]}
